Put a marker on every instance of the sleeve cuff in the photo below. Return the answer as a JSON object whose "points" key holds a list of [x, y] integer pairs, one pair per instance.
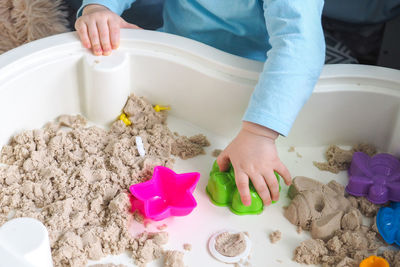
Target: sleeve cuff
{"points": [[114, 7]]}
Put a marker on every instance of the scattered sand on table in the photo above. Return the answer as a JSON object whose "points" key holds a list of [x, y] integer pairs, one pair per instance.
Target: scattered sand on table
{"points": [[339, 159], [243, 263], [291, 149], [189, 147], [344, 247], [338, 236], [187, 247], [334, 218], [148, 247], [216, 152], [162, 227], [366, 208], [275, 236], [75, 181], [138, 217], [108, 265], [173, 258], [393, 257], [230, 245], [299, 230]]}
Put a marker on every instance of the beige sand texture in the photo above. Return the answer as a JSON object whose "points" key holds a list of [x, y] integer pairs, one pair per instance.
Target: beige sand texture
{"points": [[108, 265], [75, 181], [187, 247], [275, 236], [173, 258], [189, 147], [215, 153], [339, 159], [338, 236], [314, 205], [148, 247], [230, 245], [393, 257]]}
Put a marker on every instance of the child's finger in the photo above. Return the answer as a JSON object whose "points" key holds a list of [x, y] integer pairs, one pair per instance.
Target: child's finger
{"points": [[104, 33], [242, 183], [223, 162], [261, 187], [114, 33], [94, 38], [81, 28], [284, 173], [273, 186]]}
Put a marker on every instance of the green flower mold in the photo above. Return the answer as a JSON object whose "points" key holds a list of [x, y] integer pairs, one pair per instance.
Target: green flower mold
{"points": [[222, 190]]}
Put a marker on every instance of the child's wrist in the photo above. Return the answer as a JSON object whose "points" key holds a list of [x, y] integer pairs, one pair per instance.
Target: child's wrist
{"points": [[259, 130], [93, 8]]}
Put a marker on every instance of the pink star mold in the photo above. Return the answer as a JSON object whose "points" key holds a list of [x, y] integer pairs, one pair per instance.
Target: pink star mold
{"points": [[377, 178], [165, 194]]}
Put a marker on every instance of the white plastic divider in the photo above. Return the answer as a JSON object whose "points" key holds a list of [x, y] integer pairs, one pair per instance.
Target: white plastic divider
{"points": [[24, 242], [393, 146], [205, 86], [207, 89], [106, 86]]}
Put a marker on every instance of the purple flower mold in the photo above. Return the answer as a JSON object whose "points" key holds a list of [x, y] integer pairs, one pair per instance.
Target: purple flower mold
{"points": [[377, 178]]}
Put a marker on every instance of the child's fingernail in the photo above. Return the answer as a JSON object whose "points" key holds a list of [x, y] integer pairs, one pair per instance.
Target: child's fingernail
{"points": [[97, 51], [106, 50]]}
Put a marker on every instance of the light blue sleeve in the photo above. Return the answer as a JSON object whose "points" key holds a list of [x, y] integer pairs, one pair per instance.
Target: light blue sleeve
{"points": [[293, 64], [116, 6]]}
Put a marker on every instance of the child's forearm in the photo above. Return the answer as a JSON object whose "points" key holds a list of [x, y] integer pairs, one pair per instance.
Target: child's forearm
{"points": [[93, 8], [116, 6], [293, 65]]}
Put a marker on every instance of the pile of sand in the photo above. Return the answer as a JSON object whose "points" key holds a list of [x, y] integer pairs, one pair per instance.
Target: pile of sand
{"points": [[75, 179], [339, 159], [339, 237], [230, 245], [335, 219]]}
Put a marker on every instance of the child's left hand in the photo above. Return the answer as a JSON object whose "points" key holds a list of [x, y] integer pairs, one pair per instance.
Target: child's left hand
{"points": [[253, 155]]}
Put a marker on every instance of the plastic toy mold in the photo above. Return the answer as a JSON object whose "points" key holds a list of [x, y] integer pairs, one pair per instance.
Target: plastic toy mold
{"points": [[165, 194], [388, 223], [221, 189], [374, 261], [159, 108], [377, 178], [125, 119]]}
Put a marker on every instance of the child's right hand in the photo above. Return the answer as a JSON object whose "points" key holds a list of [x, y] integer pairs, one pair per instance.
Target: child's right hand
{"points": [[99, 27]]}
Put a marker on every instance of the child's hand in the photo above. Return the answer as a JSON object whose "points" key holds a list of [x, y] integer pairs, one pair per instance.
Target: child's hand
{"points": [[98, 28], [253, 155]]}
